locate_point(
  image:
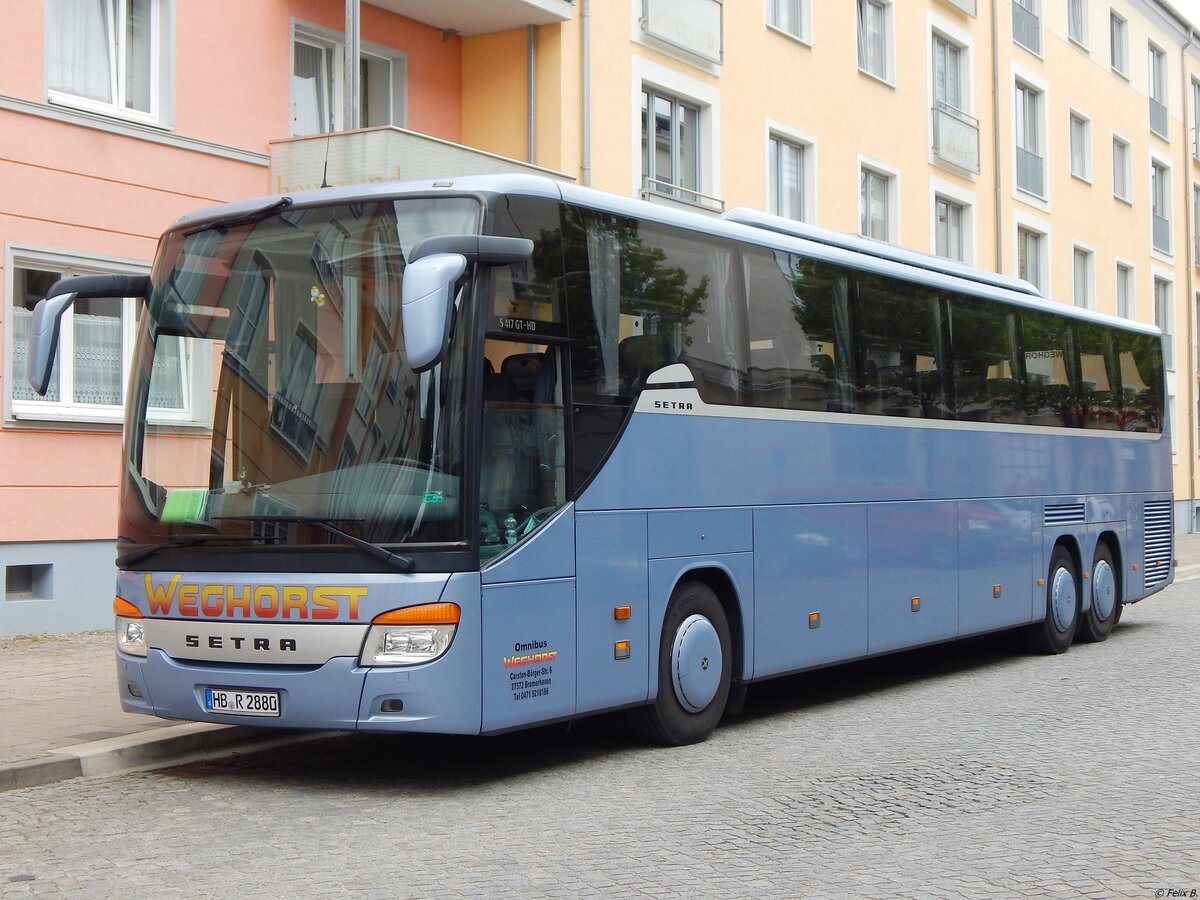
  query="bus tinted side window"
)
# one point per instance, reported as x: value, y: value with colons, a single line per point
x: 1047, y: 350
x: 900, y: 368
x: 1099, y: 381
x: 793, y: 345
x: 989, y: 373
x: 1140, y: 364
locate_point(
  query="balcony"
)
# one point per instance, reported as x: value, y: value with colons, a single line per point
x: 967, y: 6
x: 1161, y: 235
x: 473, y: 17
x: 668, y: 194
x: 1158, y: 118
x: 1027, y: 29
x: 955, y: 138
x: 382, y: 154
x: 1031, y: 172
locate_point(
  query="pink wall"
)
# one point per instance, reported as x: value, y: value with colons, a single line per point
x: 79, y: 190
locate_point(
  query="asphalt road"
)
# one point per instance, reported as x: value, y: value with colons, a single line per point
x: 970, y: 770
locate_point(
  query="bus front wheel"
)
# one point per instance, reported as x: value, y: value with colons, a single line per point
x: 1055, y: 632
x: 695, y: 667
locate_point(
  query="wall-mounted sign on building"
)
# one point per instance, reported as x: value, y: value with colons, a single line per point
x: 691, y: 25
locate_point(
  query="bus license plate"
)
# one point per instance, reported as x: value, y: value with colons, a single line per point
x: 241, y: 703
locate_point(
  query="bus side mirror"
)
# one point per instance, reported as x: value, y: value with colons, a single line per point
x: 47, y: 317
x: 434, y: 265
x: 428, y: 298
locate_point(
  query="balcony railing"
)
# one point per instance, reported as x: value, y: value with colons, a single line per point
x: 1027, y: 28
x: 1161, y: 233
x: 1158, y: 118
x: 471, y: 17
x: 967, y: 6
x: 382, y: 154
x: 655, y: 190
x: 1031, y: 172
x: 955, y: 138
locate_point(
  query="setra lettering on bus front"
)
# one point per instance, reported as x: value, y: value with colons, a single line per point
x: 672, y: 404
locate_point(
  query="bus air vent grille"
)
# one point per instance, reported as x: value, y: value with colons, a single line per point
x: 1063, y: 514
x: 1156, y: 543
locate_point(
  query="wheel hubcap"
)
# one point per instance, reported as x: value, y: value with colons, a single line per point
x: 1104, y: 589
x: 1063, y: 599
x: 696, y: 663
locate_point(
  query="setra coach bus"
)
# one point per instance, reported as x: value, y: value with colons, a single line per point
x: 472, y: 455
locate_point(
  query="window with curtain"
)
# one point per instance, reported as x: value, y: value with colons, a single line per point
x: 947, y: 73
x: 316, y: 87
x: 788, y: 16
x: 103, y: 55
x: 874, y: 203
x: 1081, y: 157
x: 873, y: 38
x: 670, y: 146
x: 90, y: 374
x: 950, y: 216
x: 1120, y: 169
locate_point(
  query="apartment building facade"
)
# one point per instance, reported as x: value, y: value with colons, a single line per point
x: 1050, y: 139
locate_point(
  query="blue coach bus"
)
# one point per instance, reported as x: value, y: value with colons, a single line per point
x: 475, y: 455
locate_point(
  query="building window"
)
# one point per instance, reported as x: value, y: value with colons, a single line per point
x: 1195, y: 224
x: 105, y: 56
x: 787, y: 177
x: 1031, y: 174
x: 1118, y: 44
x: 1160, y: 206
x: 1029, y: 256
x: 1164, y: 318
x: 875, y: 203
x: 1082, y: 261
x: 1081, y: 144
x: 1121, y: 172
x: 670, y: 146
x: 1158, y: 91
x: 789, y: 16
x: 874, y: 38
x: 1077, y: 22
x: 317, y: 94
x: 90, y: 374
x: 1124, y: 291
x: 955, y: 132
x: 1196, y: 120
x: 951, y: 227
x: 1027, y: 25
x: 947, y: 73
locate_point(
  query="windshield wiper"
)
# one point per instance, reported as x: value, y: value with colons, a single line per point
x: 402, y: 563
x: 133, y: 556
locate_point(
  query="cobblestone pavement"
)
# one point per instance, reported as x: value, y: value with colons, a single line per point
x: 963, y: 771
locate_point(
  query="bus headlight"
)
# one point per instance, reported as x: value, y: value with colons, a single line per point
x: 131, y: 632
x: 414, y: 634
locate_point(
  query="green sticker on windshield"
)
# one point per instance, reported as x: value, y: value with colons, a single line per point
x: 184, y: 507
x: 434, y: 497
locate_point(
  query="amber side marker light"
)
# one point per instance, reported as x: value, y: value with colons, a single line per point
x: 125, y: 609
x: 621, y: 613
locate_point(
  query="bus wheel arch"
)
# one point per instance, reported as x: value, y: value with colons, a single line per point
x: 1106, y: 590
x: 1064, y: 592
x: 698, y: 655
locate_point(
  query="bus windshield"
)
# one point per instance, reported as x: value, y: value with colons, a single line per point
x: 270, y: 387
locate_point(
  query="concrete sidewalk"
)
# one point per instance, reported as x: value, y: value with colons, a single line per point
x: 60, y: 716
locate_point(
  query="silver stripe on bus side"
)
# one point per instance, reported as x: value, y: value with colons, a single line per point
x: 687, y: 402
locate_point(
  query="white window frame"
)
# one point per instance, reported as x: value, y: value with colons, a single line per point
x: 874, y: 169
x: 799, y: 14
x: 1040, y: 228
x: 882, y: 70
x: 1122, y: 166
x: 197, y: 369
x: 1164, y: 313
x: 1025, y: 81
x: 777, y: 131
x: 1125, y: 275
x: 1118, y: 44
x: 1077, y: 32
x: 1157, y: 89
x: 160, y: 66
x: 646, y: 74
x: 949, y: 191
x: 1160, y: 193
x: 333, y: 45
x: 1083, y: 276
x: 1080, y: 141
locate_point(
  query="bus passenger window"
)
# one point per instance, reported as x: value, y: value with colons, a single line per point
x: 523, y: 478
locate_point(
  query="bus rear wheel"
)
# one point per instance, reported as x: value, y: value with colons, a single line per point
x: 1055, y: 632
x: 1097, y: 623
x: 695, y: 669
